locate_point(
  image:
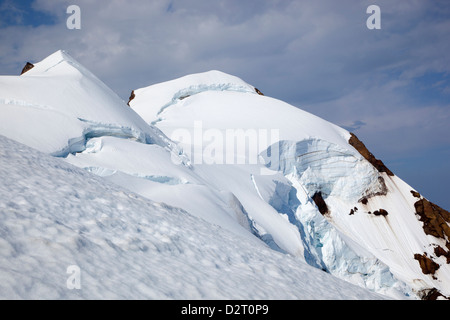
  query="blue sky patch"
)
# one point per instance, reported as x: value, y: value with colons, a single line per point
x: 22, y: 13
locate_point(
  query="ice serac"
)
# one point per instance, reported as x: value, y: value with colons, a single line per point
x: 55, y: 216
x: 295, y: 189
x: 369, y: 233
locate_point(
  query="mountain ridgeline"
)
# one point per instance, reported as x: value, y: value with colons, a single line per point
x: 292, y: 187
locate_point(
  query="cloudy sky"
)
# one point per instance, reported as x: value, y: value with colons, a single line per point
x: 391, y: 86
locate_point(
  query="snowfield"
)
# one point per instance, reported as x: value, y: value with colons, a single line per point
x: 54, y: 215
x: 200, y: 187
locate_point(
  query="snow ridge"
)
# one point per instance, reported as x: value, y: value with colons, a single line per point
x: 196, y: 89
x: 174, y: 91
x: 260, y: 222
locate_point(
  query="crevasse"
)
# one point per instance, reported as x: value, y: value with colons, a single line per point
x: 315, y: 165
x: 199, y: 88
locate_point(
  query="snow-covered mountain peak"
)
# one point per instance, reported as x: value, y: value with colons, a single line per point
x: 151, y: 101
x: 58, y: 63
x: 348, y: 210
x: 259, y: 168
x: 199, y: 82
x: 65, y: 105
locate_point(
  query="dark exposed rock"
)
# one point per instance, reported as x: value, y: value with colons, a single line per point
x: 361, y: 148
x: 259, y: 92
x: 352, y: 212
x: 380, y: 212
x: 27, y: 67
x: 435, y: 219
x: 436, y: 222
x: 431, y: 294
x: 439, y: 251
x: 415, y: 194
x: 320, y: 203
x: 184, y: 97
x: 364, y: 200
x: 427, y: 265
x: 132, y: 96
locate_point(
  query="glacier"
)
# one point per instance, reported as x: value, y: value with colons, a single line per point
x: 266, y: 210
x: 55, y: 216
x: 316, y: 156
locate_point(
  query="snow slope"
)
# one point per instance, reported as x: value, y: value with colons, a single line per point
x: 61, y: 108
x: 58, y: 105
x: 245, y: 170
x: 307, y: 155
x: 55, y: 216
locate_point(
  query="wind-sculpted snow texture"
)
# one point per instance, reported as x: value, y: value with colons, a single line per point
x: 257, y: 220
x: 55, y: 215
x: 351, y: 241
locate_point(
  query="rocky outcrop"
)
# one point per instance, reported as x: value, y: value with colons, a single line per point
x: 132, y: 96
x: 440, y: 252
x: 259, y: 92
x: 361, y: 148
x: 435, y: 219
x: 435, y: 223
x: 415, y: 194
x: 380, y: 212
x: 27, y: 67
x: 320, y: 203
x: 427, y: 265
x: 432, y: 294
